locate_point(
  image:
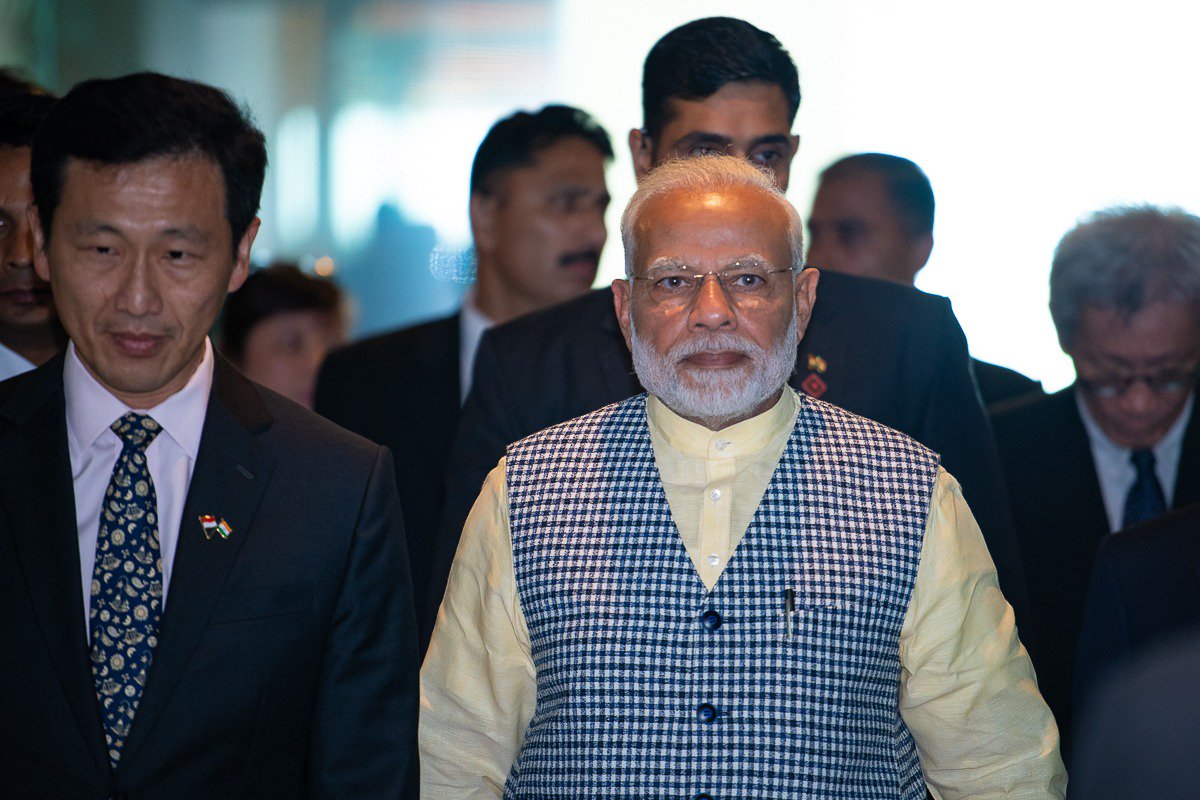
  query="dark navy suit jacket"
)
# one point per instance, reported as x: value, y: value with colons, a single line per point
x: 286, y: 665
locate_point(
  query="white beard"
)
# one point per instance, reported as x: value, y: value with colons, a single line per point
x: 715, y: 397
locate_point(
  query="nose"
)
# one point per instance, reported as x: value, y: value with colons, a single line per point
x: 138, y: 293
x: 712, y: 308
x: 19, y: 254
x: 593, y: 231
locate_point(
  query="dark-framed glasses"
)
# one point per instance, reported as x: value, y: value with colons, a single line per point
x: 1166, y: 382
x: 744, y: 281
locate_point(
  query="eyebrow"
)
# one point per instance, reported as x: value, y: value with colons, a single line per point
x: 671, y: 262
x: 189, y: 233
x: 703, y: 137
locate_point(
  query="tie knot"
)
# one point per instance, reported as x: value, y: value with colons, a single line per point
x: 136, y: 430
x: 1143, y: 460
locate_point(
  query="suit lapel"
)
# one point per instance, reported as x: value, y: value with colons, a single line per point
x: 1187, y: 480
x: 617, y: 378
x: 39, y: 501
x: 1075, y: 455
x: 227, y: 483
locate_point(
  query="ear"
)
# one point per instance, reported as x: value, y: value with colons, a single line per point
x: 642, y: 150
x: 241, y: 263
x: 622, y: 303
x: 806, y: 296
x: 483, y: 221
x: 41, y: 264
x: 922, y: 246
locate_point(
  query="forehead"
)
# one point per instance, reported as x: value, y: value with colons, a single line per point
x: 741, y: 110
x: 186, y: 187
x: 14, y: 174
x: 1163, y: 331
x: 569, y: 161
x: 712, y: 227
x: 857, y: 193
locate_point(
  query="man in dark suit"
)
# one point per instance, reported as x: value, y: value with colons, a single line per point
x: 1145, y: 588
x: 538, y: 198
x: 1121, y: 445
x: 872, y: 216
x: 203, y: 586
x: 882, y: 350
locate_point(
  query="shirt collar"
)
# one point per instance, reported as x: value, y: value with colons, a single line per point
x: 91, y: 408
x: 471, y: 324
x: 1105, y: 447
x: 745, y: 438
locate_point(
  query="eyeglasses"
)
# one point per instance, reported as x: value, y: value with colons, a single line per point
x: 1170, y: 382
x: 745, y: 282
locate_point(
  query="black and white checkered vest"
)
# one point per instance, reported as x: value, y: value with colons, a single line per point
x: 649, y: 685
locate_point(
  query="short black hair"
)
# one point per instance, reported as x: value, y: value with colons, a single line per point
x: 23, y: 108
x: 148, y: 115
x: 907, y: 185
x: 276, y: 289
x: 517, y: 139
x: 696, y: 59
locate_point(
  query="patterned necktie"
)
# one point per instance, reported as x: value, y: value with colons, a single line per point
x: 1145, y: 499
x: 127, y: 585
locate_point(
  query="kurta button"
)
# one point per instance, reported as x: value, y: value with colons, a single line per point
x: 706, y: 713
x: 711, y: 619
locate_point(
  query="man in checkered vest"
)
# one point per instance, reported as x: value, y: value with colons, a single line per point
x: 721, y: 588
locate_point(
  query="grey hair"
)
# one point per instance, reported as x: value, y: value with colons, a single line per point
x: 703, y: 175
x: 1124, y: 258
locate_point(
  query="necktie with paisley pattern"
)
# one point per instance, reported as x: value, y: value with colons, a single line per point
x: 127, y: 589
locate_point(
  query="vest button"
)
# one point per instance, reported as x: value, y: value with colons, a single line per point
x: 711, y: 620
x: 706, y: 713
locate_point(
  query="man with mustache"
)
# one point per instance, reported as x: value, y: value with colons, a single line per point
x: 538, y: 198
x: 29, y: 329
x: 724, y: 588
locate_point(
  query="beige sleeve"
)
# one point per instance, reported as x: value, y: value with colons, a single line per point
x: 478, y: 685
x: 967, y: 688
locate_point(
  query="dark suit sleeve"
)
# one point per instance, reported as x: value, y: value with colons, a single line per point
x: 1104, y: 639
x: 956, y: 426
x: 487, y: 426
x: 364, y: 727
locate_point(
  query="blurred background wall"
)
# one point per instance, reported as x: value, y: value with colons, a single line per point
x: 1025, y: 115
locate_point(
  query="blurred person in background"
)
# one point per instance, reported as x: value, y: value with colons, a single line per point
x: 279, y: 326
x: 538, y: 197
x: 1121, y: 445
x: 29, y: 329
x: 872, y: 216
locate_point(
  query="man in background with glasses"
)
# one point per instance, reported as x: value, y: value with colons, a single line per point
x: 1121, y: 445
x: 721, y: 587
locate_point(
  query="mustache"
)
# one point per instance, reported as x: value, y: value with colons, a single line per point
x: 714, y: 342
x: 591, y: 257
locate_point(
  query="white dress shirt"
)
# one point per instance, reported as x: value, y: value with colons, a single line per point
x: 471, y: 324
x: 13, y: 363
x: 1116, y: 472
x: 94, y: 449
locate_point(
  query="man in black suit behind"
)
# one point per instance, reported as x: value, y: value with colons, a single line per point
x: 203, y: 586
x: 888, y: 352
x: 872, y: 216
x: 538, y: 197
x: 1121, y: 445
